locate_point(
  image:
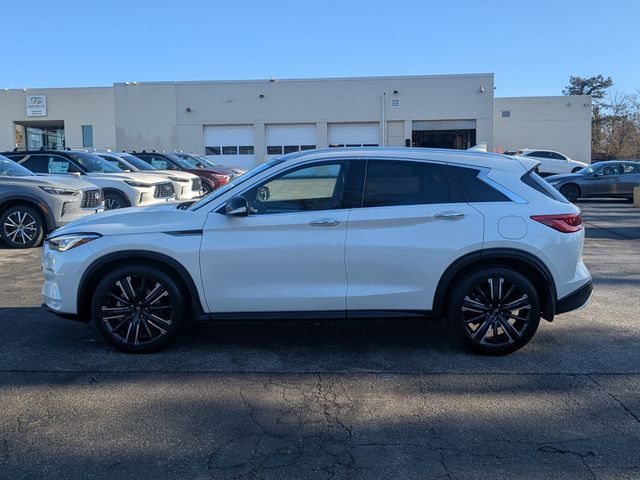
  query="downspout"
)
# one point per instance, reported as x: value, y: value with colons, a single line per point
x: 383, y: 123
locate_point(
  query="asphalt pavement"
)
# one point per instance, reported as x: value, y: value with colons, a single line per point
x: 329, y: 399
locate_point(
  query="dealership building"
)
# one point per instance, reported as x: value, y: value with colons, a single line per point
x: 244, y: 123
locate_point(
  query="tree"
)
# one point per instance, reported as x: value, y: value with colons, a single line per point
x: 595, y: 86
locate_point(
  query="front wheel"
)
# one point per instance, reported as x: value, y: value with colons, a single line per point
x: 22, y: 226
x: 114, y: 200
x: 494, y: 311
x: 571, y: 192
x: 138, y: 309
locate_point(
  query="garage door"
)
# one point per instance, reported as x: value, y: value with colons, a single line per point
x: 354, y: 134
x: 231, y: 145
x: 290, y: 137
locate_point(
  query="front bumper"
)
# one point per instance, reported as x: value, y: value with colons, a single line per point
x: 576, y: 299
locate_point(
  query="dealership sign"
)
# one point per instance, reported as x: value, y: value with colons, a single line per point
x: 36, y: 105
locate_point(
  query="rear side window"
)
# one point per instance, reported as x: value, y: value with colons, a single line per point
x: 391, y: 183
x: 35, y: 163
x: 539, y: 154
x: 474, y: 188
x: 536, y: 182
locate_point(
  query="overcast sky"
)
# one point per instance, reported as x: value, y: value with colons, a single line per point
x: 532, y: 47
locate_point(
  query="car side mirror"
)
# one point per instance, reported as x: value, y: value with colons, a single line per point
x: 597, y: 174
x: 263, y: 194
x: 237, y: 207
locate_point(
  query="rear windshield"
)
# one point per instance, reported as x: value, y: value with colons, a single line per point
x: 538, y: 183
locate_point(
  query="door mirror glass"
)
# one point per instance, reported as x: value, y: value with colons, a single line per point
x: 263, y: 193
x: 237, y: 207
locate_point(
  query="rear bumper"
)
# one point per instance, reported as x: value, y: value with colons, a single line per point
x: 576, y: 299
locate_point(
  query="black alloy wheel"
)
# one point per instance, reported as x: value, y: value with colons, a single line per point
x: 495, y: 311
x: 138, y: 309
x: 114, y: 200
x: 22, y: 226
x: 571, y: 192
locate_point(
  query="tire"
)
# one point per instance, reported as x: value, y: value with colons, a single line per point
x: 138, y: 308
x: 571, y: 192
x: 22, y: 226
x: 114, y: 200
x: 478, y: 317
x: 207, y: 188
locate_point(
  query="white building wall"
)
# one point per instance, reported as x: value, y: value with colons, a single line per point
x: 560, y: 123
x: 75, y: 106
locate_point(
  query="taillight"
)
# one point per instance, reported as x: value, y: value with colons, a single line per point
x: 567, y: 223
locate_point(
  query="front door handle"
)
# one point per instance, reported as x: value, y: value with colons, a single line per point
x: 449, y: 215
x: 325, y: 222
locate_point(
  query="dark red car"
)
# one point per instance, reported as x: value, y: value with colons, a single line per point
x: 212, y: 176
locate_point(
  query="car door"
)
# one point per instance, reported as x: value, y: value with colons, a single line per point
x: 603, y: 181
x: 287, y: 255
x: 412, y: 225
x: 558, y: 163
x: 629, y: 179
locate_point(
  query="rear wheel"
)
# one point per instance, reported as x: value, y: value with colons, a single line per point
x: 22, y: 226
x: 138, y: 309
x: 113, y: 200
x: 571, y: 192
x: 494, y: 311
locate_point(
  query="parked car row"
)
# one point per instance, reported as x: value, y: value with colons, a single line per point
x: 41, y: 190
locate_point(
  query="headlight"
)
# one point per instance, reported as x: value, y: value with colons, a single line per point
x: 177, y: 179
x: 137, y: 184
x: 72, y: 240
x: 59, y: 191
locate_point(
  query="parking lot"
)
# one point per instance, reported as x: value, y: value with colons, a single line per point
x: 352, y: 399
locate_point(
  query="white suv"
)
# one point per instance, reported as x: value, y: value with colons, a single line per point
x: 551, y: 162
x: 337, y: 233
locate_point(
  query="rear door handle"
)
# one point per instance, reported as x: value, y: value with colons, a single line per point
x: 449, y: 215
x: 325, y: 222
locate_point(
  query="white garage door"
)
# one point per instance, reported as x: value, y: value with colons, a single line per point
x: 231, y: 145
x: 354, y: 134
x: 290, y: 137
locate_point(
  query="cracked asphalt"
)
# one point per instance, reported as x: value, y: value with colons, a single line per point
x: 357, y: 399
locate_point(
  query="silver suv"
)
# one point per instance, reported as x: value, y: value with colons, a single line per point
x: 32, y: 205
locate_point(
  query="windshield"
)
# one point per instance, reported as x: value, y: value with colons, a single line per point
x: 136, y: 162
x: 9, y: 168
x: 197, y: 160
x: 183, y: 162
x: 93, y: 163
x: 239, y: 180
x: 586, y: 170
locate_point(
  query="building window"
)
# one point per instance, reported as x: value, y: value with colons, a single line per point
x: 291, y: 148
x: 395, y: 102
x: 212, y: 150
x: 230, y: 150
x: 245, y: 150
x: 505, y: 113
x: 307, y: 147
x: 87, y: 136
x: 274, y: 150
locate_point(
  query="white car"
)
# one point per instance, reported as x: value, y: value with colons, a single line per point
x: 551, y: 162
x: 336, y: 233
x: 186, y: 185
x: 120, y: 189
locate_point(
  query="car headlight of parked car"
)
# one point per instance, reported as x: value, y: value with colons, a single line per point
x: 59, y: 191
x: 63, y: 243
x: 137, y: 184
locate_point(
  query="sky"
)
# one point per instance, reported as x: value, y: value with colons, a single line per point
x: 531, y: 46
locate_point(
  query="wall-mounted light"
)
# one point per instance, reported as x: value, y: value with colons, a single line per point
x: 395, y: 92
x: 188, y: 109
x: 481, y: 89
x: 586, y: 105
x: 261, y: 96
x: 272, y: 79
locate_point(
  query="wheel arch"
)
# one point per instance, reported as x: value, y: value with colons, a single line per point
x: 116, y: 190
x: 34, y: 202
x: 522, y: 261
x: 102, y: 265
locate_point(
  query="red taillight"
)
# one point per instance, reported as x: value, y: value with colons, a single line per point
x: 567, y: 223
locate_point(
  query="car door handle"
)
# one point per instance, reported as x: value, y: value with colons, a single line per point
x: 325, y: 222
x: 449, y: 215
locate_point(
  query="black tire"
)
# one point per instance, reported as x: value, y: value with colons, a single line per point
x: 571, y: 192
x: 138, y: 308
x: 114, y: 200
x: 22, y: 226
x: 207, y: 188
x: 476, y: 311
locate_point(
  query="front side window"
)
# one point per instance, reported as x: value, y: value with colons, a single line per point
x: 390, y: 182
x: 612, y: 170
x: 308, y: 188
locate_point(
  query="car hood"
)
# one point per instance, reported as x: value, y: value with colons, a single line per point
x: 135, y: 220
x: 129, y: 176
x: 177, y: 173
x: 63, y: 181
x: 562, y: 176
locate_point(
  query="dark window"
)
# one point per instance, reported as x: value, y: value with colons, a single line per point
x: 231, y: 150
x: 613, y: 170
x: 538, y: 154
x: 291, y: 148
x: 336, y: 145
x: 49, y: 164
x: 536, y: 182
x: 370, y: 145
x: 405, y: 183
x: 630, y: 168
x: 245, y: 150
x: 307, y: 188
x: 212, y: 150
x: 307, y: 147
x: 35, y: 163
x: 87, y: 135
x: 353, y: 145
x: 505, y: 113
x: 475, y: 189
x: 557, y: 156
x: 157, y: 162
x: 274, y: 150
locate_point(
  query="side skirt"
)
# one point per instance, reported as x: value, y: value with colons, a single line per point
x: 317, y: 315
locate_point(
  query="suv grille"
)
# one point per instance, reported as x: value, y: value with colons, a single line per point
x: 164, y: 190
x: 91, y: 199
x: 196, y: 184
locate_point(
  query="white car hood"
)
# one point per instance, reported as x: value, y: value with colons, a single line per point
x: 130, y: 176
x: 152, y: 219
x: 60, y: 181
x: 177, y: 174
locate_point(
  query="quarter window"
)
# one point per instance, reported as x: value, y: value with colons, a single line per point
x: 391, y: 183
x: 474, y: 189
x: 309, y: 188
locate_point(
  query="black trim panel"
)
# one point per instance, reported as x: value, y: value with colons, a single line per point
x: 184, y: 233
x: 575, y: 299
x: 318, y: 315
